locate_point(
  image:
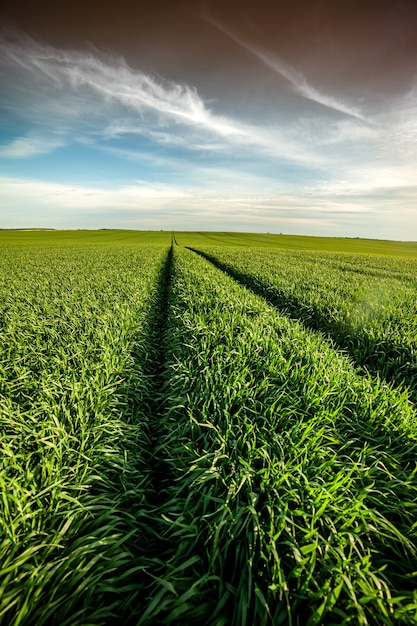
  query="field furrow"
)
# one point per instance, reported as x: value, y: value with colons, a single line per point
x: 293, y: 490
x: 79, y: 348
x: 179, y: 448
x: 365, y: 305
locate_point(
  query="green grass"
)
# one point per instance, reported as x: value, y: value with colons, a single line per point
x: 292, y: 489
x: 81, y: 238
x: 76, y: 366
x: 177, y: 449
x: 298, y: 242
x: 366, y: 304
x: 199, y: 239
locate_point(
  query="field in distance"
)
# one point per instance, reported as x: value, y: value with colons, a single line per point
x: 106, y: 237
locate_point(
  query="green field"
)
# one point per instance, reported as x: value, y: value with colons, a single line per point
x: 207, y: 428
x: 264, y: 240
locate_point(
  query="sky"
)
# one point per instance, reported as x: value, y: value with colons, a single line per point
x: 263, y: 116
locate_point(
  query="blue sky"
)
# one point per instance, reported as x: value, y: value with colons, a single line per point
x: 210, y: 119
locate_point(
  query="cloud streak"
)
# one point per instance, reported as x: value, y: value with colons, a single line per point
x: 29, y: 146
x: 111, y: 78
x: 296, y: 78
x: 103, y: 96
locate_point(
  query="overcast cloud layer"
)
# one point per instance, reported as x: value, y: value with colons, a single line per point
x: 300, y: 121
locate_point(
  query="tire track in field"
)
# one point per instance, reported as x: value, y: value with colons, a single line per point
x: 146, y: 502
x: 157, y: 329
x: 399, y: 361
x: 179, y: 544
x: 217, y: 326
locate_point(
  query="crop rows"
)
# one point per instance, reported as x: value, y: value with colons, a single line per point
x: 177, y: 450
x: 366, y: 305
x: 76, y: 348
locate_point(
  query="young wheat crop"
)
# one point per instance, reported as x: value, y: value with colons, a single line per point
x: 182, y: 444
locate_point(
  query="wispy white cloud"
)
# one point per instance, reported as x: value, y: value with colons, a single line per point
x: 31, y: 145
x: 119, y: 129
x: 297, y: 80
x: 301, y: 86
x: 82, y: 90
x: 111, y: 78
x: 348, y: 130
x: 63, y: 195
